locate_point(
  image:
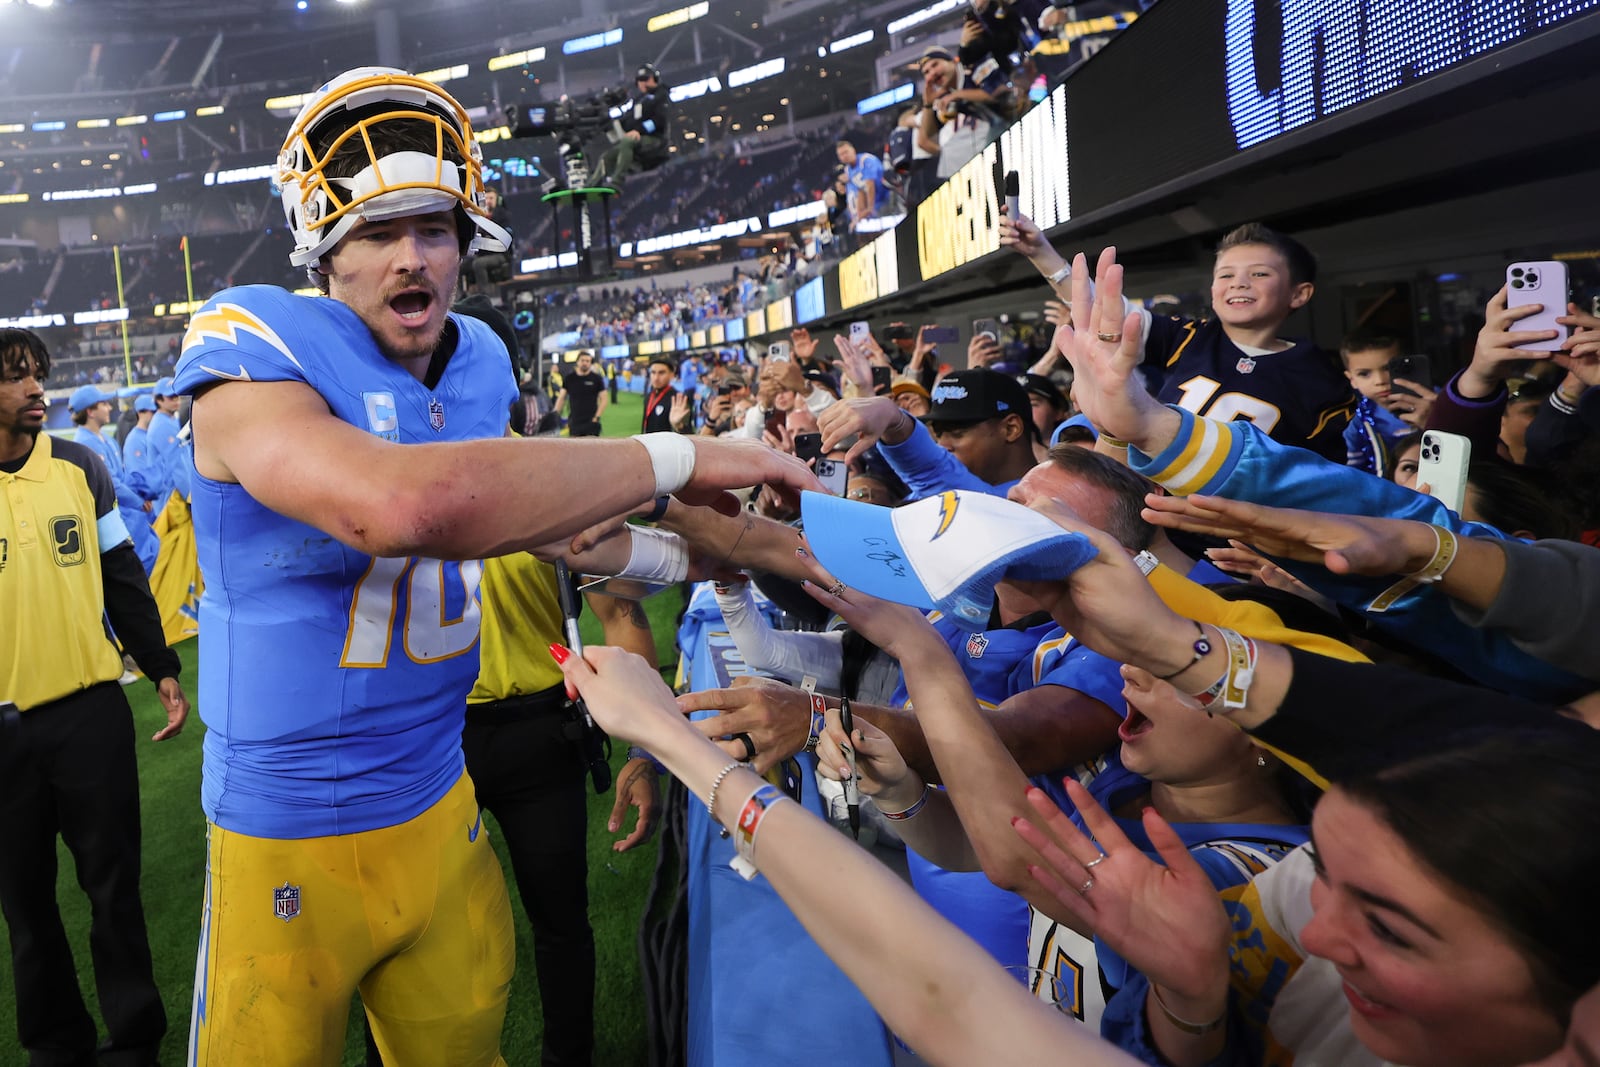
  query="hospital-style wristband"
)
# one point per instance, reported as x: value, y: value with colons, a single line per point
x: 819, y: 713
x: 1444, y: 554
x: 656, y: 556
x: 1233, y: 687
x: 749, y: 821
x: 671, y: 459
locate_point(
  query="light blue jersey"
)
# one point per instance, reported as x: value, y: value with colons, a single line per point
x: 130, y: 503
x: 333, y: 684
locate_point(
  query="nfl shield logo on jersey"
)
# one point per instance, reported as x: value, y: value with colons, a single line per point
x: 975, y: 646
x: 286, y: 901
x: 435, y: 414
x: 1245, y: 365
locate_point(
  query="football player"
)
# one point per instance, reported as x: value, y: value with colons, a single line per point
x: 350, y: 467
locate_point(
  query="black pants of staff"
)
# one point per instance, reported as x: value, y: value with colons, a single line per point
x: 68, y: 768
x: 526, y: 761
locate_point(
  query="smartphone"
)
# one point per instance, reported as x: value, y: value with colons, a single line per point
x: 778, y: 351
x: 940, y: 335
x: 1442, y: 466
x: 775, y: 422
x: 860, y: 331
x: 986, y: 326
x: 833, y: 474
x: 1413, y: 369
x: 1545, y: 283
x: 881, y: 377
x: 1013, y: 191
x: 808, y: 446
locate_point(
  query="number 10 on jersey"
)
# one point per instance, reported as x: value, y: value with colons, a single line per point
x: 429, y: 632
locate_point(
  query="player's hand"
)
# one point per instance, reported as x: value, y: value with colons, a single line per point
x: 723, y: 463
x: 776, y: 716
x: 637, y: 788
x: 176, y: 706
x: 1104, y: 347
x: 1165, y: 920
x: 1345, y: 544
x: 869, y: 419
x: 1497, y: 347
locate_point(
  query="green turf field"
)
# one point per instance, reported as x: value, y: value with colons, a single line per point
x: 174, y: 862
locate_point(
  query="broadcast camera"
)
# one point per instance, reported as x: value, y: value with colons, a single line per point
x: 571, y: 122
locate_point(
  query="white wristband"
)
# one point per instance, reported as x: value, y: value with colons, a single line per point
x: 656, y: 556
x: 671, y: 459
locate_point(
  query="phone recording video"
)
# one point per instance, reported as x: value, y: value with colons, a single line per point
x: 833, y: 474
x: 808, y: 446
x: 1413, y: 369
x: 778, y: 351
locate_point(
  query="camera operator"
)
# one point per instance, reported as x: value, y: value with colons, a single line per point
x: 484, y: 264
x: 644, y: 130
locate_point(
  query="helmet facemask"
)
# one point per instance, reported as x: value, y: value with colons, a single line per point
x: 353, y: 115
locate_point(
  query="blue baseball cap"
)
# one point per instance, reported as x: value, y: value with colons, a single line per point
x: 164, y: 388
x: 944, y: 552
x: 144, y: 402
x: 1076, y: 420
x: 87, y: 396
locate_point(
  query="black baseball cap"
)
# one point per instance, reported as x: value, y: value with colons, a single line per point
x: 1039, y: 385
x: 976, y: 395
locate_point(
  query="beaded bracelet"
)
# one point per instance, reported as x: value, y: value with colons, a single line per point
x: 711, y: 798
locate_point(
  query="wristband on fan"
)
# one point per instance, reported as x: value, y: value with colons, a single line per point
x: 1445, y: 546
x: 656, y: 556
x: 749, y: 821
x: 819, y: 713
x: 921, y: 803
x: 671, y: 460
x: 1234, y: 684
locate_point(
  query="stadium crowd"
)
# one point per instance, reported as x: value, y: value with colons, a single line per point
x: 1241, y: 695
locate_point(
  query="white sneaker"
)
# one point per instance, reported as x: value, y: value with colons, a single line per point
x: 128, y: 678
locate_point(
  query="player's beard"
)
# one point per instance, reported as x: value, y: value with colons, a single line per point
x: 411, y: 345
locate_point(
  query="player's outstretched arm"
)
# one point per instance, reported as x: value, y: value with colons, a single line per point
x: 456, y: 500
x: 936, y: 987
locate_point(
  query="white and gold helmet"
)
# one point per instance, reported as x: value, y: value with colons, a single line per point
x: 321, y: 209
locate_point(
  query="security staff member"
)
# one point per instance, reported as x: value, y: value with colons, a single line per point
x: 67, y: 765
x: 644, y: 130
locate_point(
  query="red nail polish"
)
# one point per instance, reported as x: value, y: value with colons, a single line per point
x: 560, y: 653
